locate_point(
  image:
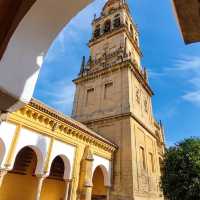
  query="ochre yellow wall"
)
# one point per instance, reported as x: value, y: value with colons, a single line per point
x: 53, y: 190
x: 98, y: 183
x: 18, y: 187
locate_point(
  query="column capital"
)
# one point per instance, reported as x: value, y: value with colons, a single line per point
x: 88, y: 185
x: 41, y: 176
x: 68, y: 180
x: 3, y: 171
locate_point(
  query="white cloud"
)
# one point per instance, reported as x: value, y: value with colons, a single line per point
x: 80, y: 24
x: 180, y: 66
x: 59, y: 95
x: 186, y: 68
x: 185, y: 63
x: 75, y: 30
x: 191, y: 67
x: 154, y: 74
x: 193, y: 97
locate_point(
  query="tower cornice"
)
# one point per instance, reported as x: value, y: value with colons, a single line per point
x: 151, y: 130
x: 91, y: 75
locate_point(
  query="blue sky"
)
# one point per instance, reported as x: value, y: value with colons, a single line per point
x: 174, y: 68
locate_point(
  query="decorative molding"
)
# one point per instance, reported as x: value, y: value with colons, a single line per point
x: 124, y: 115
x: 39, y: 117
x: 91, y: 75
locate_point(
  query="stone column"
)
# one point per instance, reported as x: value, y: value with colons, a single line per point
x: 67, y: 184
x: 3, y: 172
x: 88, y: 192
x: 41, y: 179
x: 108, y: 192
x: 86, y: 175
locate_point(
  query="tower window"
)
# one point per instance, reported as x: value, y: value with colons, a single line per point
x: 97, y: 31
x: 90, y: 96
x: 107, y: 26
x: 108, y: 90
x: 117, y: 22
x: 142, y: 158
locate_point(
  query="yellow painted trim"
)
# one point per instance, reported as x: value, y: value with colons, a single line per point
x: 29, y: 120
x: 13, y: 146
x: 75, y: 172
x: 49, y: 155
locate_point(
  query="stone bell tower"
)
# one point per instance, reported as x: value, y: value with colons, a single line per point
x: 113, y: 98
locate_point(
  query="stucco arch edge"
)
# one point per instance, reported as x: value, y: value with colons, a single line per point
x: 105, y: 166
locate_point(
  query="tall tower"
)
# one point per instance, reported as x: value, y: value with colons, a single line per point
x: 113, y: 97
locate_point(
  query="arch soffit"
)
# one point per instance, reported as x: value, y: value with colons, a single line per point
x: 105, y: 166
x: 38, y: 153
x: 67, y: 165
x: 105, y: 172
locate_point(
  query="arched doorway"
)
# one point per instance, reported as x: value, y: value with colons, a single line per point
x: 21, y: 182
x: 54, y: 186
x: 99, y: 190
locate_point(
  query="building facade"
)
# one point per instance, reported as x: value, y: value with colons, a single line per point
x: 114, y: 149
x: 45, y: 155
x: 113, y: 98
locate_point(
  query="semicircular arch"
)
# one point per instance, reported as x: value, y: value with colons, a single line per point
x: 38, y: 153
x: 67, y: 165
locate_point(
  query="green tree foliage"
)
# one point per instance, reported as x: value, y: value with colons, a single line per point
x: 181, y: 172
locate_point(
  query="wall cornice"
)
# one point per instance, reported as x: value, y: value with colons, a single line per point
x: 104, y: 71
x: 121, y: 116
x: 47, y: 121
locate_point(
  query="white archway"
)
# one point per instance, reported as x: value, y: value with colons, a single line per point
x: 105, y: 174
x: 40, y: 159
x: 105, y: 166
x: 21, y: 62
x: 67, y: 164
x: 67, y: 153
